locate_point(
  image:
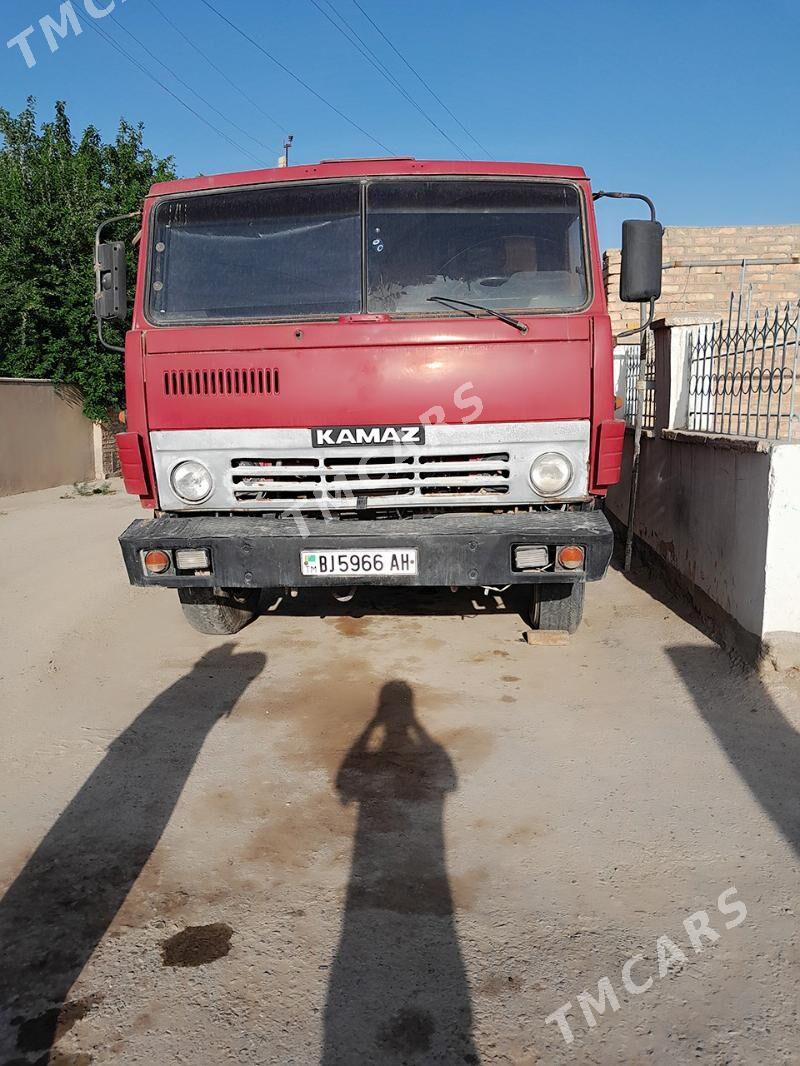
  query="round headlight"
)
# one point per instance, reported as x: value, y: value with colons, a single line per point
x: 551, y: 473
x: 191, y: 481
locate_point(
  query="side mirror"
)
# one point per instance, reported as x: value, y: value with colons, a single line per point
x: 111, y: 293
x: 640, y: 273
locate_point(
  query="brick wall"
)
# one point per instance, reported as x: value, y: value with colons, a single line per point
x: 702, y: 289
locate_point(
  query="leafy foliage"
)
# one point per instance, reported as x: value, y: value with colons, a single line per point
x: 54, y: 191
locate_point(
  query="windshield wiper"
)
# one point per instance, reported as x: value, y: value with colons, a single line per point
x: 480, y: 307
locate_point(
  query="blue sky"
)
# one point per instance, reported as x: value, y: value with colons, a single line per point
x: 695, y: 104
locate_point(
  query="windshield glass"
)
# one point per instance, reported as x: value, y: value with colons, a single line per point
x: 503, y: 244
x: 293, y: 251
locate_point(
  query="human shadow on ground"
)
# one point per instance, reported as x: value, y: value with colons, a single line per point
x: 398, y: 990
x: 59, y: 907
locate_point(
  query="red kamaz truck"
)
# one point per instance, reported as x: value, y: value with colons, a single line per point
x: 380, y: 372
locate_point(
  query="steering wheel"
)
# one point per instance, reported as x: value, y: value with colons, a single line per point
x: 493, y: 280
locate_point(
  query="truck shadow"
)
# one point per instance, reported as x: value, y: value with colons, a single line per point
x: 398, y: 990
x: 761, y: 744
x: 59, y: 907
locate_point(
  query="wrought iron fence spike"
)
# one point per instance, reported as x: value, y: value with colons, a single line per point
x: 742, y: 377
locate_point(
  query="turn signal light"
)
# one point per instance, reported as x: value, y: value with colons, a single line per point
x: 619, y: 403
x: 571, y: 557
x: 156, y: 561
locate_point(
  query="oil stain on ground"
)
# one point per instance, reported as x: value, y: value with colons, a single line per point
x: 349, y: 626
x: 486, y: 657
x: 294, y: 835
x: 197, y: 945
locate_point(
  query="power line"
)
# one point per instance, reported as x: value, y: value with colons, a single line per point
x: 420, y: 78
x: 194, y: 92
x: 254, y: 103
x: 169, y: 91
x: 361, y: 46
x: 295, y: 77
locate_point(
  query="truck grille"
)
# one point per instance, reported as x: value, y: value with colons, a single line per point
x: 459, y: 467
x: 337, y: 480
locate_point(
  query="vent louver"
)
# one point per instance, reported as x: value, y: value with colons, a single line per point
x: 239, y: 381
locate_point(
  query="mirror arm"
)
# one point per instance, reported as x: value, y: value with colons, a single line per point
x: 110, y: 222
x: 629, y: 196
x: 645, y: 325
x: 108, y: 347
x: 97, y: 239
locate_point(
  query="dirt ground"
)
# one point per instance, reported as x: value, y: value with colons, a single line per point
x: 405, y: 837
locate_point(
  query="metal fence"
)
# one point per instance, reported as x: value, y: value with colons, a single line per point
x: 743, y: 374
x: 633, y: 354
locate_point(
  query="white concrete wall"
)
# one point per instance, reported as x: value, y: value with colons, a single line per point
x: 782, y: 594
x: 704, y: 509
x: 722, y: 512
x: 623, y: 353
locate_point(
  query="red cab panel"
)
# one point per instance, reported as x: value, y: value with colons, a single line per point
x: 131, y: 460
x: 610, y: 447
x: 401, y: 375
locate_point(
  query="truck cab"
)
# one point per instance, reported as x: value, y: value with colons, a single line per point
x: 369, y: 372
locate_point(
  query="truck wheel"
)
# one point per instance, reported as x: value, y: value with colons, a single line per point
x: 219, y: 612
x: 557, y: 606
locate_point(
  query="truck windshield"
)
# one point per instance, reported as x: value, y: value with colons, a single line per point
x: 295, y: 251
x: 291, y: 251
x: 504, y: 244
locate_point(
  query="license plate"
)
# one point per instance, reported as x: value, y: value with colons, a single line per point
x: 380, y: 561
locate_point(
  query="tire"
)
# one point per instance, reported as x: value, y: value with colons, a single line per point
x: 557, y: 606
x: 219, y: 612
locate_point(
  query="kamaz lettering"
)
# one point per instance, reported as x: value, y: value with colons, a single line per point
x: 341, y: 435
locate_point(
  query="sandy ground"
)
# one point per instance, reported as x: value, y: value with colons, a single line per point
x: 400, y: 838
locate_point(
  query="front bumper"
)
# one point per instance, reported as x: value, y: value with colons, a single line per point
x: 466, y: 550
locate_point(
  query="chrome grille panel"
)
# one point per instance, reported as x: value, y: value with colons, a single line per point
x: 362, y: 476
x: 478, y: 464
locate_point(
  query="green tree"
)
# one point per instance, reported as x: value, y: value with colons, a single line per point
x: 54, y: 191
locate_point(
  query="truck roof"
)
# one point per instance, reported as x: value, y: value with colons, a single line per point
x: 349, y: 168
